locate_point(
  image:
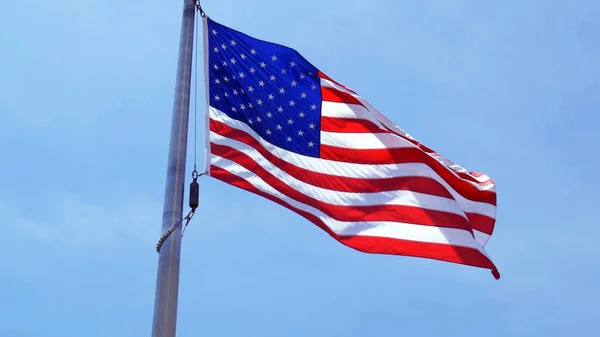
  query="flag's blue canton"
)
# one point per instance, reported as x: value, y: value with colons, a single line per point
x: 270, y: 87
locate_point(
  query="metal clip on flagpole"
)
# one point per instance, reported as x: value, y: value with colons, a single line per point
x: 194, y: 202
x: 199, y: 7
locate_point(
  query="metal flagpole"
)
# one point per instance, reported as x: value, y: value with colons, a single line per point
x: 167, y: 282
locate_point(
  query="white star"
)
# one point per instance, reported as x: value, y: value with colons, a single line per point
x: 303, y: 95
x: 217, y: 97
x: 300, y: 133
x: 280, y: 109
x: 268, y: 132
x: 271, y: 96
x: 252, y: 70
x: 289, y: 139
x: 225, y: 63
x: 233, y: 61
x: 311, y: 125
x: 223, y: 46
x: 281, y: 91
x: 216, y: 67
x: 269, y: 114
x: 243, y: 56
x: 235, y: 92
x: 216, y: 49
x: 250, y: 105
x: 250, y: 121
x: 243, y: 107
x: 225, y: 79
x: 283, y: 71
x: 313, y: 107
x: 294, y: 83
x: 233, y: 43
x: 217, y: 81
x: 272, y: 77
x: 292, y: 103
x: 273, y: 58
x: 313, y: 87
x: 233, y: 109
x: 261, y: 83
x: 279, y: 127
x: 241, y: 75
x: 258, y: 119
x: 226, y: 94
x: 290, y: 121
x: 263, y: 65
x: 214, y: 32
x: 301, y: 114
x: 253, y: 52
x: 292, y: 63
x: 311, y: 144
x: 301, y: 75
x: 259, y: 102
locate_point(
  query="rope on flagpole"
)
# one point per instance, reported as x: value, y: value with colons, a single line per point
x: 194, y: 187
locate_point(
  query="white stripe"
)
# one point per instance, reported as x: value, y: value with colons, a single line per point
x: 341, y: 110
x: 330, y: 84
x: 351, y: 170
x: 337, y: 198
x: 364, y: 141
x: 395, y: 230
x: 481, y: 237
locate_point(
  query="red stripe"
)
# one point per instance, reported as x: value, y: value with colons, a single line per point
x: 370, y: 244
x: 349, y: 125
x: 406, y: 155
x: 334, y: 95
x: 358, y: 185
x: 481, y: 222
x: 395, y: 213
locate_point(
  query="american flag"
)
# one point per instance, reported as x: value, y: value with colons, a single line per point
x: 282, y: 129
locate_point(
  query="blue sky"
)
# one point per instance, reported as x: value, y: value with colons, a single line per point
x: 86, y: 90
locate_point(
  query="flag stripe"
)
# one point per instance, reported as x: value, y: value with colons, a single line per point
x: 224, y: 125
x: 406, y: 207
x: 255, y: 149
x: 371, y: 238
x: 247, y: 138
x: 364, y: 141
x: 329, y: 94
x: 348, y: 125
x: 350, y: 111
x: 250, y: 159
x: 420, y: 184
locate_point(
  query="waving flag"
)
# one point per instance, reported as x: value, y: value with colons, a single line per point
x: 282, y: 129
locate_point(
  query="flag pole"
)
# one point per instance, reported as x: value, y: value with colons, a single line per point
x: 167, y: 281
